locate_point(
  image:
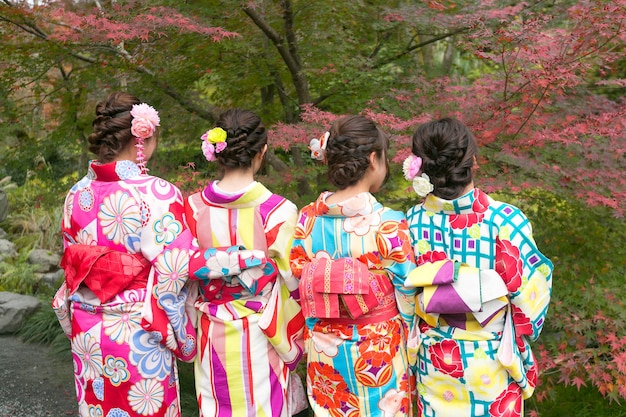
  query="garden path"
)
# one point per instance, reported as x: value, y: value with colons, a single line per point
x: 36, y: 382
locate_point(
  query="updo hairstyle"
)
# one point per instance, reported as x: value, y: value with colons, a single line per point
x: 245, y: 136
x: 352, y: 139
x: 111, y: 127
x: 447, y: 149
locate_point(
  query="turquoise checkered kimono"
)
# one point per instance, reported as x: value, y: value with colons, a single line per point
x: 459, y: 370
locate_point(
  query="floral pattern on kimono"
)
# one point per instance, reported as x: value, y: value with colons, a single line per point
x: 358, y: 366
x: 124, y: 347
x: 458, y: 370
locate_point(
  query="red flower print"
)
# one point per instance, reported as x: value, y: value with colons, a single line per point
x: 509, y: 264
x: 431, y: 256
x: 327, y: 386
x: 481, y: 202
x: 446, y: 356
x: 508, y: 403
x: 320, y: 207
x: 372, y: 260
x: 523, y: 326
x: 298, y: 258
x: 380, y: 344
x: 371, y: 375
x: 424, y: 327
x: 463, y: 221
x: 532, y: 375
x: 407, y: 385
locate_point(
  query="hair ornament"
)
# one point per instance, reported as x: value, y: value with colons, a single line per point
x: 213, y: 141
x: 412, y: 168
x: 143, y: 125
x: 318, y: 147
x: 422, y: 185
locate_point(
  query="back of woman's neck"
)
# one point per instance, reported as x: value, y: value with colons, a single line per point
x: 236, y: 180
x: 342, y: 195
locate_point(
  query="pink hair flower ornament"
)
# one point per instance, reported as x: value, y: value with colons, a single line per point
x: 145, y: 121
x: 318, y: 147
x: 412, y: 168
x: 213, y: 141
x: 143, y: 125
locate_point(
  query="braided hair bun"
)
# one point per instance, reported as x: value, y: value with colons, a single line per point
x: 111, y: 127
x: 352, y: 139
x: 245, y: 135
x: 448, y: 150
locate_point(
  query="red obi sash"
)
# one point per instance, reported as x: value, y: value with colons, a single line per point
x: 103, y: 270
x: 345, y: 289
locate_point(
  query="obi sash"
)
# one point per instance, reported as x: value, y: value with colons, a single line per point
x: 105, y: 271
x: 451, y: 287
x: 223, y: 272
x: 345, y: 289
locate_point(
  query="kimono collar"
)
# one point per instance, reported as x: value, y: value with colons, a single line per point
x: 361, y: 204
x: 474, y: 201
x: 249, y: 197
x: 113, y: 171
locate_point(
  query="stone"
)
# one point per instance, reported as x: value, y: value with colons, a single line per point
x: 52, y: 279
x: 44, y: 260
x: 14, y: 309
x: 7, y: 249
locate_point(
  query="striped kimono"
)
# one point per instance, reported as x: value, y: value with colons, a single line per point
x: 460, y: 366
x: 356, y: 350
x: 122, y: 303
x: 237, y: 371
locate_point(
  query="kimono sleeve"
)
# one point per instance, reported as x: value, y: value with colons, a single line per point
x: 397, y: 257
x: 526, y: 272
x: 167, y: 242
x: 280, y: 228
x: 298, y: 256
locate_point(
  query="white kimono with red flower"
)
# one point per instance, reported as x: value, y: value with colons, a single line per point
x: 458, y: 369
x: 122, y: 303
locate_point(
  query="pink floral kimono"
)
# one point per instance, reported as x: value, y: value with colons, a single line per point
x: 123, y: 300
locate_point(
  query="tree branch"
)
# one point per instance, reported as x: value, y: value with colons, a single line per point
x: 290, y: 59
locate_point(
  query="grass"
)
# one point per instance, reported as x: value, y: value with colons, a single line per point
x: 569, y: 402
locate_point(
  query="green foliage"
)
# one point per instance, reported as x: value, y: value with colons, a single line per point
x: 188, y: 400
x: 570, y: 402
x: 21, y: 278
x: 42, y: 327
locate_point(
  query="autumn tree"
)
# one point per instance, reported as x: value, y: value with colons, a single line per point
x: 541, y: 84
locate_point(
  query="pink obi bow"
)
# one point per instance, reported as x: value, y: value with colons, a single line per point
x: 105, y: 271
x: 340, y: 288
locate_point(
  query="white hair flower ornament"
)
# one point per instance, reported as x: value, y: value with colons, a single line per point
x: 318, y: 147
x: 412, y: 168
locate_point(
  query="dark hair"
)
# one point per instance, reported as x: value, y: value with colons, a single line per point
x: 245, y: 136
x: 111, y: 127
x: 447, y: 148
x: 352, y: 139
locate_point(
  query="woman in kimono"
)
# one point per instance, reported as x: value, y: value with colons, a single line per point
x: 484, y: 284
x: 126, y: 257
x: 352, y: 256
x: 248, y: 232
